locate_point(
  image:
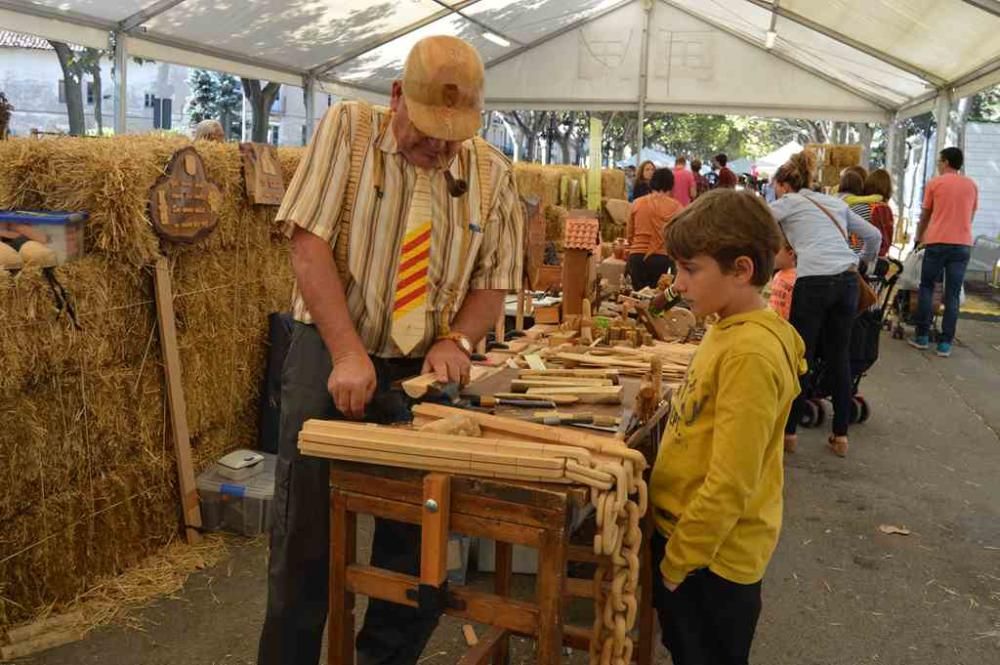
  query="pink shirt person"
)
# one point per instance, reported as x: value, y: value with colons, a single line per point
x: 952, y: 199
x: 684, y: 182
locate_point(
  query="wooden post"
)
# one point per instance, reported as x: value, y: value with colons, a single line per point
x: 519, y: 315
x: 177, y: 408
x: 434, y: 531
x: 549, y: 592
x: 575, y: 281
x: 504, y: 556
x: 500, y: 331
x: 343, y: 549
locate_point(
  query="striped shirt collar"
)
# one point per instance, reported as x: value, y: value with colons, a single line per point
x: 388, y: 143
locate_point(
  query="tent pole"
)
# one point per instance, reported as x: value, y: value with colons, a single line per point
x: 896, y: 162
x: 942, y: 114
x: 647, y: 12
x: 121, y: 83
x: 309, y: 91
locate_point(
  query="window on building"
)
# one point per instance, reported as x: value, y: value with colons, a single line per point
x: 150, y: 99
x: 329, y: 100
x: 305, y: 138
x: 90, y: 92
x: 162, y: 112
x: 274, y: 133
x: 278, y: 106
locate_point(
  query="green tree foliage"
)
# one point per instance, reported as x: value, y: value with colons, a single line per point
x: 216, y: 96
x: 203, y: 104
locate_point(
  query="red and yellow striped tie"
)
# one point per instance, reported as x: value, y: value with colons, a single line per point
x: 409, y: 309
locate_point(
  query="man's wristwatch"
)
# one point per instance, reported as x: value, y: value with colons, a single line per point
x: 461, y: 341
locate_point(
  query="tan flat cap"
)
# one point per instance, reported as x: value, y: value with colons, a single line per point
x: 443, y: 87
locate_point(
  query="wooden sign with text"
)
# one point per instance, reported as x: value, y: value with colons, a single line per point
x: 262, y: 174
x: 183, y: 203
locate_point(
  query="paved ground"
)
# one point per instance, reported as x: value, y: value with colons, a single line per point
x: 838, y: 592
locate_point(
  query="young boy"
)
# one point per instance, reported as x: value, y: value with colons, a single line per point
x: 716, y: 487
x: 783, y: 282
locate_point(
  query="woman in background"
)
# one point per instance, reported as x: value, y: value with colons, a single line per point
x: 825, y: 297
x: 647, y: 222
x: 642, y: 178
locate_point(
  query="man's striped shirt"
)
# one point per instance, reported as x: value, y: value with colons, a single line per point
x: 467, y: 251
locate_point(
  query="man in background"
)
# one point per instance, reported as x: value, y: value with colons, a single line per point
x: 727, y: 178
x: 684, y: 190
x: 945, y: 231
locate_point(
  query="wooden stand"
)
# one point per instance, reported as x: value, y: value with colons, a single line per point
x: 532, y: 514
x: 529, y: 514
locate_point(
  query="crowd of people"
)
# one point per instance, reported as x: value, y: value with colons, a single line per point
x: 828, y: 241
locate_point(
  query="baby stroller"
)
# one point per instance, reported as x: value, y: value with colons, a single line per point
x: 863, y: 350
x: 904, y: 301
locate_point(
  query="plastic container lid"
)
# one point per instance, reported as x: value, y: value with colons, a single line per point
x: 259, y: 486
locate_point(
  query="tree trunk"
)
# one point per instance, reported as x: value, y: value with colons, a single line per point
x: 865, y: 139
x: 72, y: 80
x: 95, y: 71
x: 261, y: 101
x: 959, y: 115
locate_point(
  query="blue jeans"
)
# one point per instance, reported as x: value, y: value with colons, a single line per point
x: 950, y: 262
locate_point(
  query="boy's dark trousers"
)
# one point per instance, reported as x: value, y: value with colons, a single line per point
x: 707, y: 620
x: 298, y: 566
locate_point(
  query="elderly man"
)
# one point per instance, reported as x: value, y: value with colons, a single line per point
x: 405, y: 234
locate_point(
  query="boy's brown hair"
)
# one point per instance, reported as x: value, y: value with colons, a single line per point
x: 726, y: 224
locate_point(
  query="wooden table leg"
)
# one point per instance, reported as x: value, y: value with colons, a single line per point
x: 647, y: 644
x: 501, y: 585
x: 343, y: 550
x: 549, y: 592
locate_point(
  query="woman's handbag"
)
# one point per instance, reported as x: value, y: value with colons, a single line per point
x: 866, y: 295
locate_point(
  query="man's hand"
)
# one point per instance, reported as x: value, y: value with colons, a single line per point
x: 448, y: 361
x: 352, y: 384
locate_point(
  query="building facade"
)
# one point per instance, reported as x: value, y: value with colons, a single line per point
x: 32, y: 79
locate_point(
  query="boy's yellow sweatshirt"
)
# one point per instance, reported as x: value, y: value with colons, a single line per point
x: 716, y: 486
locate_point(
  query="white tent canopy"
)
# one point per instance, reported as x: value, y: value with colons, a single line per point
x: 845, y: 59
x: 770, y: 162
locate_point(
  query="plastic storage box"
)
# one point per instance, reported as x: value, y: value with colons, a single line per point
x: 241, y: 507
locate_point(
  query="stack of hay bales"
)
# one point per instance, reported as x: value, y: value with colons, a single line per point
x: 830, y: 159
x: 561, y: 188
x: 88, y: 470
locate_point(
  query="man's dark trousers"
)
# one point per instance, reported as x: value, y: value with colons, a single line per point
x: 949, y: 262
x: 298, y: 569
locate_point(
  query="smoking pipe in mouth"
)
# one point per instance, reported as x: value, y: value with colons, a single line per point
x: 456, y: 187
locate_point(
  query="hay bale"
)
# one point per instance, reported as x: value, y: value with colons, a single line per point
x: 541, y: 182
x: 613, y: 184
x: 89, y: 476
x: 555, y: 222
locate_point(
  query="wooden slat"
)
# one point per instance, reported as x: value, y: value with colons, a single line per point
x: 469, y: 525
x: 510, y: 501
x: 504, y: 556
x: 586, y: 395
x: 487, y: 646
x: 577, y: 637
x: 176, y: 405
x: 434, y: 529
x: 343, y: 548
x: 516, y: 616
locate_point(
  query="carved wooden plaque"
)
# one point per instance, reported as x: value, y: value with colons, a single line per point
x: 183, y: 203
x: 262, y: 173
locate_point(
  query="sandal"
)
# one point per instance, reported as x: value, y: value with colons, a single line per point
x: 791, y: 443
x: 838, y: 444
